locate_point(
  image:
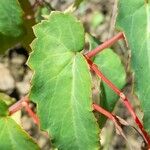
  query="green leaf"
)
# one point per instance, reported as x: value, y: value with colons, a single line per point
x: 93, y: 41
x: 97, y: 19
x: 3, y: 108
x: 16, y: 28
x: 12, y: 136
x: 10, y: 18
x: 10, y: 23
x: 7, y: 99
x: 42, y: 11
x: 134, y: 20
x: 62, y: 83
x: 111, y: 66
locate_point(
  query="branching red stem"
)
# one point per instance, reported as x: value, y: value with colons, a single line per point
x: 106, y: 44
x: 23, y: 102
x: 112, y: 117
x: 18, y: 105
x: 122, y: 96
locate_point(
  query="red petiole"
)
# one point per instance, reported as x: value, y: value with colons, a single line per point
x: 104, y: 112
x: 24, y: 103
x: 112, y: 117
x: 106, y: 44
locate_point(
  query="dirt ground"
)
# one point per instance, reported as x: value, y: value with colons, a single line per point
x: 98, y: 19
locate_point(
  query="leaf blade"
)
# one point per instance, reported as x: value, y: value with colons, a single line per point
x: 11, y: 25
x: 3, y: 108
x: 12, y: 136
x: 66, y: 86
x: 138, y: 30
x: 111, y: 66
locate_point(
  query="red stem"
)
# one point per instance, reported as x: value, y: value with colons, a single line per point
x: 103, y: 111
x: 122, y: 96
x: 31, y: 113
x: 24, y: 102
x: 106, y: 44
x: 18, y: 105
x: 112, y: 117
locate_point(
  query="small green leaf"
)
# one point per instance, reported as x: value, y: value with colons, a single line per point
x: 10, y: 23
x: 93, y: 41
x: 42, y: 11
x: 62, y: 83
x: 12, y: 136
x: 110, y: 65
x: 134, y: 20
x: 3, y: 108
x: 7, y: 99
x: 97, y: 19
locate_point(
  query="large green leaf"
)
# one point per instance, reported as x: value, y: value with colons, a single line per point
x: 62, y: 83
x: 12, y: 136
x: 134, y: 20
x: 110, y: 65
